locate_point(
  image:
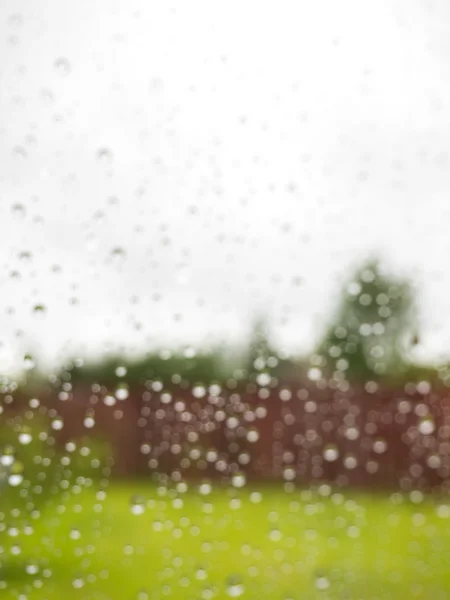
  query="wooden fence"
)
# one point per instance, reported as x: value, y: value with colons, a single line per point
x: 297, y: 433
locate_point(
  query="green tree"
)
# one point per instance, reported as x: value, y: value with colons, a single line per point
x: 373, y: 327
x: 259, y: 349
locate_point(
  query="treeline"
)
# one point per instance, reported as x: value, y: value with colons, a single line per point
x: 371, y: 336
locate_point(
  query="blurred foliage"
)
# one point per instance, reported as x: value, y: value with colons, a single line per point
x: 165, y: 366
x: 35, y: 470
x: 189, y: 366
x: 260, y: 351
x: 373, y: 329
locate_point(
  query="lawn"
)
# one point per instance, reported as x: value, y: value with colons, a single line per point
x: 140, y: 542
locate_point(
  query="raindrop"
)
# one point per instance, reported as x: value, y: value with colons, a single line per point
x: 137, y: 505
x: 263, y: 379
x: 78, y: 583
x: 62, y: 66
x: 109, y: 400
x: 350, y: 462
x: 32, y: 568
x: 322, y: 583
x: 201, y: 573
x: 25, y: 438
x: 234, y: 587
x: 205, y: 489
x: 122, y: 393
x: 380, y: 446
x: 275, y: 535
x: 434, y: 461
x: 105, y: 155
x: 208, y: 593
x: 7, y: 460
x: 57, y: 424
x: 25, y: 256
x: 255, y: 497
x: 426, y: 426
x: 15, y: 479
x: 28, y: 362
x: 39, y: 309
x: 18, y: 210
x: 352, y: 433
x: 19, y: 152
x: 118, y: 253
x: 15, y: 20
x: 443, y: 511
x: 199, y: 391
x: 75, y: 534
x: 47, y: 95
x: 331, y: 453
x: 238, y: 480
x: 252, y: 435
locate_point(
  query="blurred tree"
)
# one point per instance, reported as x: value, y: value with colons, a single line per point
x: 373, y: 328
x: 262, y: 357
x: 259, y: 348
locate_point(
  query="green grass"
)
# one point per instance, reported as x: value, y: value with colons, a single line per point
x: 297, y: 545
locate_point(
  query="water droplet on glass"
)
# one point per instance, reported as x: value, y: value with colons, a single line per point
x: 105, y: 156
x: 75, y: 534
x: 25, y: 438
x: 18, y: 210
x: 238, y: 480
x: 7, y: 459
x: 275, y: 535
x: 28, y: 362
x: 31, y: 568
x: 19, y: 152
x: 205, y: 489
x: 255, y: 497
x: 201, y: 573
x: 15, y: 20
x: 89, y: 422
x: 252, y: 436
x: 234, y: 587
x: 322, y: 583
x: 426, y: 426
x: 331, y: 453
x: 15, y: 479
x: 137, y: 505
x: 62, y: 66
x: 39, y: 309
x: 208, y: 593
x: 443, y: 511
x: 57, y: 424
x: 122, y: 393
x: 109, y: 400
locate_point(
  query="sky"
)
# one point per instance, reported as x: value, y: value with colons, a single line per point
x: 169, y: 170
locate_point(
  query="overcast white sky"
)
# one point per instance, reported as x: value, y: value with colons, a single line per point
x: 166, y: 169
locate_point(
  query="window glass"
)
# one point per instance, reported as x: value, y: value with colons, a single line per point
x: 224, y: 349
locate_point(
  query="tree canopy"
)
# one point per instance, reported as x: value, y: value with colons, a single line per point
x: 373, y: 326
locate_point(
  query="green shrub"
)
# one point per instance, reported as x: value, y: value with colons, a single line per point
x: 36, y: 470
